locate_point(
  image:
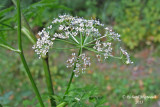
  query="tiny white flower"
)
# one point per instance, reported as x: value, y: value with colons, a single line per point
x: 77, y: 99
x: 61, y: 27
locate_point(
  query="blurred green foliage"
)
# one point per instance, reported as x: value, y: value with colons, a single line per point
x: 138, y: 22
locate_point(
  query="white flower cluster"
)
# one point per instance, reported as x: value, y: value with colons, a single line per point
x: 81, y: 63
x: 124, y: 52
x: 110, y: 33
x: 43, y: 44
x: 71, y: 61
x: 74, y: 25
x: 103, y: 48
x: 74, y: 29
x: 69, y: 26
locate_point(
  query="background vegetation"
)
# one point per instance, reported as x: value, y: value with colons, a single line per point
x: 138, y: 22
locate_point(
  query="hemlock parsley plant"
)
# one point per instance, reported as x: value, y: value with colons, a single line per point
x: 83, y: 34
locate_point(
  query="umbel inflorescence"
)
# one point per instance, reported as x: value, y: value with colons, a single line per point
x: 84, y: 34
x: 81, y: 63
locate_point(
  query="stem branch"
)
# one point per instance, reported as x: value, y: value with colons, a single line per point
x: 71, y: 78
x: 9, y: 48
x: 48, y: 80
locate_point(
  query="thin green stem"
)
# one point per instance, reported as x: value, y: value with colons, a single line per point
x: 64, y: 48
x: 10, y: 48
x: 95, y: 40
x: 90, y: 49
x: 28, y: 32
x: 26, y: 29
x: 85, y: 39
x: 31, y: 35
x: 23, y: 58
x: 74, y: 39
x: 63, y: 104
x: 65, y: 41
x: 81, y: 36
x: 48, y: 80
x: 71, y: 78
x: 31, y: 80
x: 70, y: 81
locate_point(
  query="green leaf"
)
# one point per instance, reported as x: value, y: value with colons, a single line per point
x: 57, y: 98
x: 6, y: 25
x: 6, y: 14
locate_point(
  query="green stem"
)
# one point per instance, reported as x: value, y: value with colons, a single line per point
x: 64, y: 48
x: 9, y: 48
x: 65, y: 41
x: 63, y: 104
x: 23, y: 58
x: 28, y: 32
x: 71, y: 78
x: 48, y: 80
x: 26, y: 29
x: 70, y: 81
x: 95, y: 40
x: 90, y: 49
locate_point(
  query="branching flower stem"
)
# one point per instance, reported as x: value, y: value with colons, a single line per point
x: 71, y: 78
x: 23, y: 58
x: 94, y: 40
x: 65, y: 41
x: 72, y: 75
x: 9, y: 48
x: 26, y: 29
x: 90, y: 49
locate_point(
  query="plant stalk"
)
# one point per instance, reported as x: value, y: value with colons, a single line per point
x: 71, y: 78
x: 26, y: 29
x: 28, y: 32
x: 45, y: 64
x: 48, y: 80
x: 63, y: 104
x: 9, y: 48
x: 23, y: 58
